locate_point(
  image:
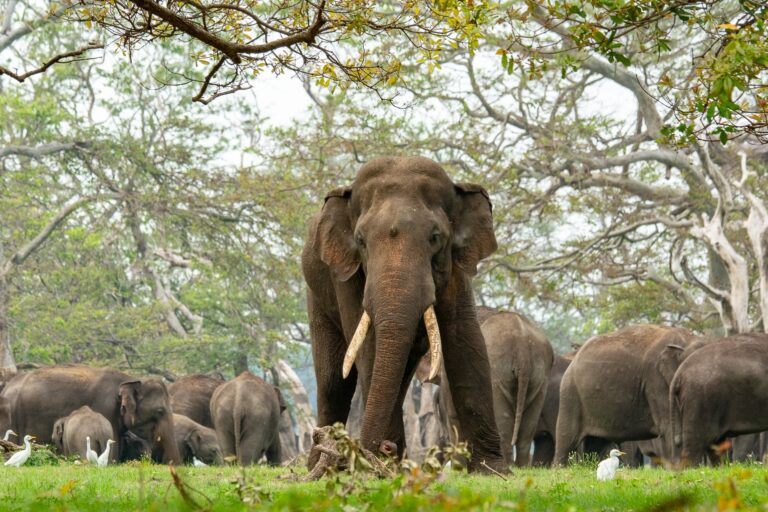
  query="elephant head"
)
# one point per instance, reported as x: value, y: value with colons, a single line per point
x: 204, y: 445
x: 145, y: 410
x: 57, y: 436
x: 405, y: 229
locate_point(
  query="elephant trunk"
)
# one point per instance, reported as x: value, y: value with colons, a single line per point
x: 165, y: 441
x: 396, y: 305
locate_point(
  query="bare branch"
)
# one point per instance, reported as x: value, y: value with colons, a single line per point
x: 61, y: 58
x: 23, y: 253
x: 43, y: 150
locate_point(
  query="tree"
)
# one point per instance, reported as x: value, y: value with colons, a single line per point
x: 723, y: 96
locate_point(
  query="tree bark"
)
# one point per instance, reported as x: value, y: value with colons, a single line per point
x: 7, y: 361
x: 305, y: 420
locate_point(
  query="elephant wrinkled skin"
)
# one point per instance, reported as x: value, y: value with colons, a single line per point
x: 617, y: 387
x: 544, y: 439
x: 520, y: 357
x: 191, y: 397
x: 721, y: 390
x: 196, y: 440
x: 69, y: 433
x: 394, y: 253
x: 40, y: 397
x: 246, y: 415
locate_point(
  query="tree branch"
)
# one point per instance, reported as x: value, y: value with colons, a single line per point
x: 232, y: 50
x: 42, y: 150
x: 58, y: 58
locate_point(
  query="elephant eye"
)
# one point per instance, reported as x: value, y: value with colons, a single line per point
x: 435, y: 238
x: 359, y: 240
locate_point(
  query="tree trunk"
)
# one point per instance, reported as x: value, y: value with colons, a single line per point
x: 305, y: 420
x: 7, y: 361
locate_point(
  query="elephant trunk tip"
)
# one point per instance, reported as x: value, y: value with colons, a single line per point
x: 388, y: 448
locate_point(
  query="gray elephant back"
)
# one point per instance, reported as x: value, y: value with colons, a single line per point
x: 85, y: 422
x: 245, y: 414
x: 191, y: 397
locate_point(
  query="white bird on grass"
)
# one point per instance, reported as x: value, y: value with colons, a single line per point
x: 103, y: 459
x: 19, y: 458
x: 9, y: 433
x: 198, y: 463
x: 92, y: 456
x: 606, y: 470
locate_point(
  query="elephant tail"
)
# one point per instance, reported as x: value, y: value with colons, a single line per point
x: 523, y: 380
x: 237, y: 423
x: 675, y: 418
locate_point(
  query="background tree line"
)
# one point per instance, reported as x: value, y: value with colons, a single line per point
x: 151, y: 233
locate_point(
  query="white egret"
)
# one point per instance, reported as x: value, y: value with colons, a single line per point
x: 198, y: 463
x: 9, y: 433
x: 103, y: 459
x: 606, y: 470
x: 92, y: 456
x: 19, y: 458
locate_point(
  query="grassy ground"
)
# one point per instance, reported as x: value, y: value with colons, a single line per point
x: 143, y: 486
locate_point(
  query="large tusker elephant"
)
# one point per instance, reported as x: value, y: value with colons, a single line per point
x: 196, y: 440
x: 617, y: 387
x: 544, y: 439
x: 70, y: 432
x: 721, y: 390
x: 246, y: 415
x: 191, y: 396
x: 388, y: 263
x: 139, y: 405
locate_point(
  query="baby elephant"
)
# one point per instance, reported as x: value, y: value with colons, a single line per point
x: 69, y: 433
x: 246, y: 413
x: 195, y: 440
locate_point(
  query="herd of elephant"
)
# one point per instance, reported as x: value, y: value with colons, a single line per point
x: 657, y: 391
x: 196, y: 416
x: 388, y: 263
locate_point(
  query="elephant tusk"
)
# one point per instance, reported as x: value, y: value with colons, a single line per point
x: 435, y: 344
x: 356, y: 343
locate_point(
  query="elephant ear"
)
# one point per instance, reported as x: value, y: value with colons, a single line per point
x: 280, y: 399
x: 128, y: 400
x: 473, y: 237
x: 194, y: 440
x: 335, y: 234
x: 669, y: 359
x: 58, y: 434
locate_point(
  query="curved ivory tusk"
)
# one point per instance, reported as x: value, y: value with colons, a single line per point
x: 435, y: 344
x: 356, y: 343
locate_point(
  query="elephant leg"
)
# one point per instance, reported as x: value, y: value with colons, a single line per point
x: 226, y: 439
x: 568, y: 432
x: 504, y: 409
x: 528, y: 429
x: 274, y: 453
x: 334, y: 392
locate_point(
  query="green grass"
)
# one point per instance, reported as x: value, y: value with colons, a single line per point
x: 150, y: 487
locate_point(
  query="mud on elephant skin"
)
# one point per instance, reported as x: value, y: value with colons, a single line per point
x: 387, y: 261
x: 40, y: 397
x: 721, y: 390
x: 617, y: 387
x: 70, y: 432
x: 191, y: 397
x: 246, y: 415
